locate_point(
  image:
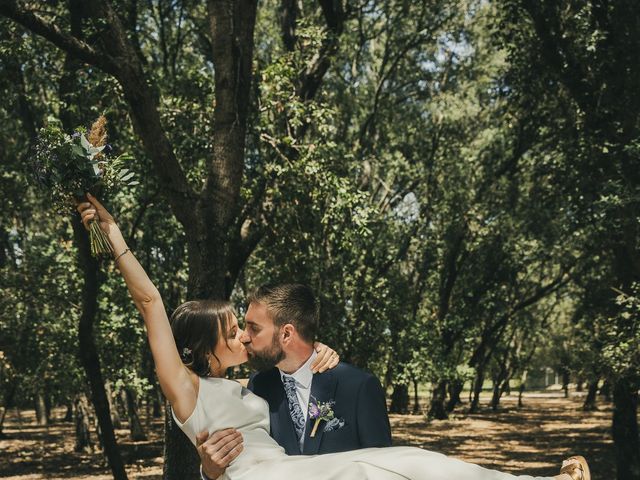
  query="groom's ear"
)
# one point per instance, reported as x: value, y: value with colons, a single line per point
x: 287, y: 333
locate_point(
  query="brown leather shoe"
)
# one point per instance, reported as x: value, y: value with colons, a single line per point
x: 577, y: 469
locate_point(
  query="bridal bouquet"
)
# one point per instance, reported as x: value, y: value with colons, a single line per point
x: 69, y: 166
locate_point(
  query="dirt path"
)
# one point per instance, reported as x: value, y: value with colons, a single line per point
x: 530, y: 440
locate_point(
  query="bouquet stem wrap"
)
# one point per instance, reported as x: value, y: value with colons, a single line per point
x: 100, y: 245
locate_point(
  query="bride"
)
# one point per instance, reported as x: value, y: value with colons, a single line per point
x: 191, y: 354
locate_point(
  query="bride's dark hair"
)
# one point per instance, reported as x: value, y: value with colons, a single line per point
x: 197, y: 325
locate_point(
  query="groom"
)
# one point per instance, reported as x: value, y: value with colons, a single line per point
x: 281, y: 325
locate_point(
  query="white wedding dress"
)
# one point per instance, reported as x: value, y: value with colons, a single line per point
x: 225, y: 403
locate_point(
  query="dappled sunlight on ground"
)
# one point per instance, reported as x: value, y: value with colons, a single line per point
x: 531, y: 440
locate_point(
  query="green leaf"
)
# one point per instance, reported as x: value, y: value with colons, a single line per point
x: 85, y: 143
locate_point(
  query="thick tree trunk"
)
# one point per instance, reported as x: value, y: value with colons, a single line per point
x: 438, y: 397
x: 212, y: 273
x: 181, y: 459
x: 400, y: 399
x: 625, y: 429
x: 83, y: 429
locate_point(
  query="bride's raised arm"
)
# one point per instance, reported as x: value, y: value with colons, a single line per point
x: 175, y: 380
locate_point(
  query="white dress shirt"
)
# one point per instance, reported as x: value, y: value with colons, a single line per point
x: 303, y: 377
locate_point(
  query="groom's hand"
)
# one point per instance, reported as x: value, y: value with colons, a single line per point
x: 218, y: 451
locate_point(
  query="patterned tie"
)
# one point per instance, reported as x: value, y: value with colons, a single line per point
x: 294, y: 406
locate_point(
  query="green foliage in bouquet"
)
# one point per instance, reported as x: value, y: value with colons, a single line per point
x: 66, y: 167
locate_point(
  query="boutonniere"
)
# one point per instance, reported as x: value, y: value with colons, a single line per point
x: 320, y: 411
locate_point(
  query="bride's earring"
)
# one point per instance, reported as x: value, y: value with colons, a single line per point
x: 208, y: 374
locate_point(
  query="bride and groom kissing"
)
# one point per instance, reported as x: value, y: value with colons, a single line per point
x: 289, y: 383
x: 290, y: 423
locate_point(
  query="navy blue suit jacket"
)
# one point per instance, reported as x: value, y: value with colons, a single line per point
x: 359, y: 401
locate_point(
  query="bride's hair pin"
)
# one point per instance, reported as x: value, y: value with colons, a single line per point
x: 186, y: 353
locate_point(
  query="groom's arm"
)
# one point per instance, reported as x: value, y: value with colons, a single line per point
x: 374, y: 429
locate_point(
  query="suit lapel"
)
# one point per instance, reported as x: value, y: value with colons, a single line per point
x: 281, y: 424
x: 323, y: 388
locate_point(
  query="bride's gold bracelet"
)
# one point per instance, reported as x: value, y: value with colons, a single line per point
x: 115, y: 260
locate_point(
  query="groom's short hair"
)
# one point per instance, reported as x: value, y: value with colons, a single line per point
x: 292, y: 303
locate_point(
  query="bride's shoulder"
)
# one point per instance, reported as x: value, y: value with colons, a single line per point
x: 219, y: 384
x: 214, y: 381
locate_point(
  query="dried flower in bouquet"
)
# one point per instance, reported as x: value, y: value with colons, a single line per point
x: 69, y: 166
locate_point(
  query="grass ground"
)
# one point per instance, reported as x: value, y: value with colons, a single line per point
x: 531, y: 440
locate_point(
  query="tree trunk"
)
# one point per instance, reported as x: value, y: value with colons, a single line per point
x: 495, y: 396
x: 115, y: 416
x: 41, y: 408
x: 521, y: 390
x: 416, y: 399
x: 477, y: 389
x: 83, y: 430
x: 502, y: 388
x: 135, y: 426
x: 212, y: 270
x: 89, y: 353
x: 400, y: 399
x: 455, y: 389
x: 590, y: 400
x: 2, y: 417
x: 625, y: 429
x: 565, y: 382
x: 68, y: 416
x: 605, y: 390
x: 8, y: 400
x: 157, y: 402
x: 89, y: 267
x: 47, y: 408
x: 437, y: 408
x: 184, y: 460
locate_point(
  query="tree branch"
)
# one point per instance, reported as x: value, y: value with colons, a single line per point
x: 70, y: 44
x: 312, y: 78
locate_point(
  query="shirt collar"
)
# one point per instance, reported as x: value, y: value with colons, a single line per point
x: 303, y: 376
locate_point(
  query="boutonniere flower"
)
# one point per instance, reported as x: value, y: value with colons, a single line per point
x: 320, y: 411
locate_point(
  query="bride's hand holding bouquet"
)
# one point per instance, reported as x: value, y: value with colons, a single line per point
x: 94, y: 213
